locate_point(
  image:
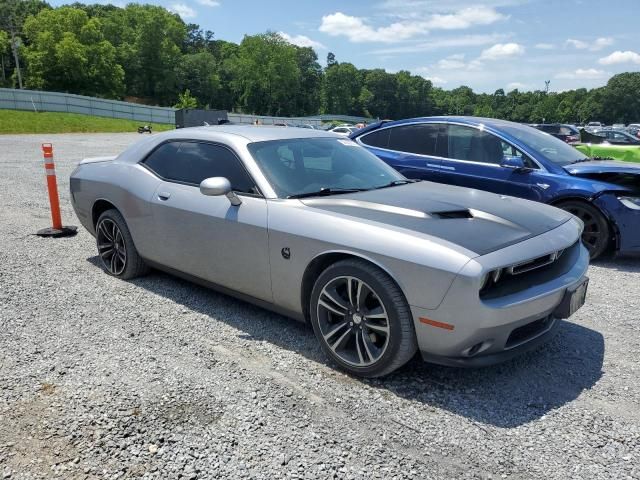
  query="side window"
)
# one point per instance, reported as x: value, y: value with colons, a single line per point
x: 377, y: 138
x: 162, y: 159
x: 192, y: 162
x: 421, y: 139
x: 466, y: 143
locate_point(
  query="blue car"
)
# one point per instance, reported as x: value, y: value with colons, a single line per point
x: 513, y: 159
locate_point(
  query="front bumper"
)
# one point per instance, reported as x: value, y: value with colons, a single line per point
x: 625, y: 219
x: 482, y: 332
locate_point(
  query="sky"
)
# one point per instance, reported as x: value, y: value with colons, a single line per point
x: 485, y: 45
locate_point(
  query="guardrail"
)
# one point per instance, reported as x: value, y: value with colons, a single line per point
x: 38, y: 101
x: 66, y: 102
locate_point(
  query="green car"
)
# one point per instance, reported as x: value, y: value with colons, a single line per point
x: 616, y: 144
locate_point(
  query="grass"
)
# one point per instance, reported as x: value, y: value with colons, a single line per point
x: 16, y: 121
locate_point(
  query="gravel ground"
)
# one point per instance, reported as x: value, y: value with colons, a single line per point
x: 158, y: 378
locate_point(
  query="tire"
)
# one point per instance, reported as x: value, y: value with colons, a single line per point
x: 117, y: 253
x: 597, y: 233
x: 370, y: 333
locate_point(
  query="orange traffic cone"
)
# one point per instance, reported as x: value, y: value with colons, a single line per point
x: 57, y: 230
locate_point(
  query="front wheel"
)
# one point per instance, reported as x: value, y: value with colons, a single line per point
x: 361, y: 319
x: 596, y: 234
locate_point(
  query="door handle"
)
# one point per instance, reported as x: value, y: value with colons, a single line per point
x: 164, y: 195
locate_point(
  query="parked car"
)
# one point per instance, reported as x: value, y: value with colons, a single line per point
x: 515, y: 159
x: 316, y: 227
x: 611, y: 144
x: 618, y: 126
x: 595, y: 124
x: 634, y: 129
x: 619, y: 137
x: 566, y: 133
x: 345, y: 130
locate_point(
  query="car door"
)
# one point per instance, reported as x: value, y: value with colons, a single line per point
x: 473, y: 160
x: 206, y: 236
x: 412, y: 149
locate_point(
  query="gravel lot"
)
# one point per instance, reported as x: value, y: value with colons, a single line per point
x: 158, y: 378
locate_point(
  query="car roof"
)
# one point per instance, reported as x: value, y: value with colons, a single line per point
x: 254, y: 133
x: 464, y: 120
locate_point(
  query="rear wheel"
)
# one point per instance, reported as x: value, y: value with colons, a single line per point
x: 596, y: 234
x: 116, y: 250
x: 361, y: 319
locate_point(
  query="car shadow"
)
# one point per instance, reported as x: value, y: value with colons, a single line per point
x: 505, y: 395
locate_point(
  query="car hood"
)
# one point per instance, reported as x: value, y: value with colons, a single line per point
x: 623, y: 175
x: 478, y: 221
x: 599, y: 166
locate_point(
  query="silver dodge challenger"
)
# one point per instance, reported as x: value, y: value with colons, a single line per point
x: 311, y: 225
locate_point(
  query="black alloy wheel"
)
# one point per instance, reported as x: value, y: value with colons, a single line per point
x: 118, y: 254
x: 362, y: 319
x: 596, y: 234
x: 111, y: 247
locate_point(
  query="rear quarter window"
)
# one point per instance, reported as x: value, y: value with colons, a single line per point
x: 377, y: 138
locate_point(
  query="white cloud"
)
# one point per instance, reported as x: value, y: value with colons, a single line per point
x: 602, y: 42
x: 465, y: 18
x: 358, y: 30
x: 424, y: 72
x: 502, y: 50
x: 597, y: 44
x: 301, y: 41
x: 516, y: 86
x: 209, y: 3
x: 415, y: 8
x: 182, y: 9
x: 584, y: 74
x: 544, y: 46
x: 447, y: 42
x: 620, y: 57
x: 579, y: 44
x: 451, y: 62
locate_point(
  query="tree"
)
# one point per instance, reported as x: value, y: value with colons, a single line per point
x: 197, y: 72
x: 67, y: 52
x: 5, y: 46
x: 186, y: 100
x: 331, y: 59
x: 341, y: 89
x: 620, y: 99
x: 265, y: 76
x: 308, y: 98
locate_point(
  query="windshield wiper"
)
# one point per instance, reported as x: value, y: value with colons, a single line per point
x: 326, y: 191
x: 397, y: 182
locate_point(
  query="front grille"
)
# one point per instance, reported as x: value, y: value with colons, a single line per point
x: 535, y: 263
x: 528, y: 332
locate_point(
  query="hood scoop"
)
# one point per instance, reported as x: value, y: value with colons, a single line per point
x: 453, y: 214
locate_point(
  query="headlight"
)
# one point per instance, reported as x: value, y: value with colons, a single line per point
x: 491, y: 279
x: 630, y: 202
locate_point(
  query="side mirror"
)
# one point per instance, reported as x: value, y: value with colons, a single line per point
x: 514, y: 162
x: 216, y: 186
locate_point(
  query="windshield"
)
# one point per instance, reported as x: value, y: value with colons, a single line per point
x: 550, y: 147
x: 297, y: 166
